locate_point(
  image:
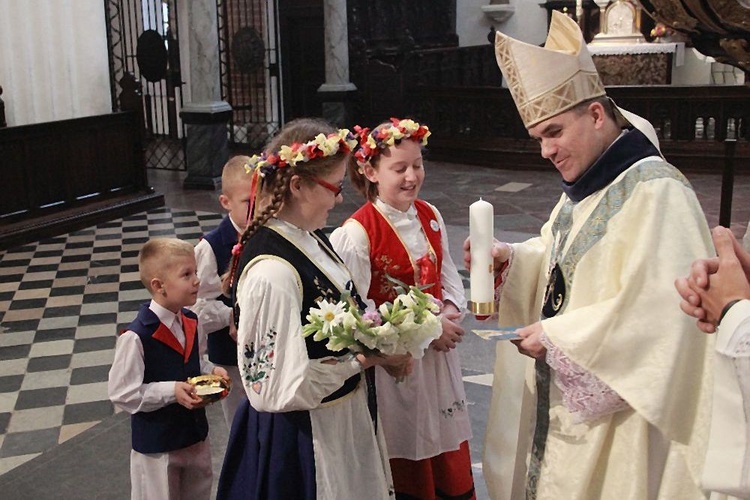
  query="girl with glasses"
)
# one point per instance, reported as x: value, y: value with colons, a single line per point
x: 306, y: 429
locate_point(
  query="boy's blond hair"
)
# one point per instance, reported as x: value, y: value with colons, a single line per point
x: 234, y: 171
x: 156, y: 256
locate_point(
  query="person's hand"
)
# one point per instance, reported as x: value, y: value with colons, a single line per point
x: 742, y: 255
x: 187, y: 396
x: 452, y: 332
x: 221, y: 372
x: 728, y: 283
x: 500, y: 254
x: 687, y: 286
x: 398, y: 360
x: 698, y: 279
x: 400, y: 371
x: 530, y: 343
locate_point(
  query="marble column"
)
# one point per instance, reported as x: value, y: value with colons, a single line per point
x: 206, y: 115
x: 337, y: 91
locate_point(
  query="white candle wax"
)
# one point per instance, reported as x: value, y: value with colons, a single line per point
x: 481, y: 233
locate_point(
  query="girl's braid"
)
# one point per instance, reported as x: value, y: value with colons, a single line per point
x: 279, y: 191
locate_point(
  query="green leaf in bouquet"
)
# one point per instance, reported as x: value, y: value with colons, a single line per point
x: 403, y: 288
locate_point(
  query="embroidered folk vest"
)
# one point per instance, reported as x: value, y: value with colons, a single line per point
x: 315, y: 286
x: 390, y: 258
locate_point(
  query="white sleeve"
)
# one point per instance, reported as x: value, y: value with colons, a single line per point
x: 353, y: 246
x: 733, y: 338
x: 277, y: 374
x: 213, y: 315
x: 453, y: 286
x: 125, y: 386
x: 733, y: 341
x: 728, y: 453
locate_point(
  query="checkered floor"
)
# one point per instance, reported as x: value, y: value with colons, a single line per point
x: 62, y: 300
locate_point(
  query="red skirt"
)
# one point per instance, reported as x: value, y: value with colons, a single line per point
x: 446, y: 476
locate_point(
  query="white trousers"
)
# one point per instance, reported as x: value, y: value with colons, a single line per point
x: 183, y: 474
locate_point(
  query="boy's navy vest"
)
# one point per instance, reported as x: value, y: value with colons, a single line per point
x: 173, y: 427
x: 315, y: 286
x: 222, y: 349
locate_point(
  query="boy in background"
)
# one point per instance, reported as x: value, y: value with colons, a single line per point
x: 212, y: 254
x: 171, y: 455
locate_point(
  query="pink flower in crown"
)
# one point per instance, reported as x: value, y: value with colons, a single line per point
x: 371, y: 143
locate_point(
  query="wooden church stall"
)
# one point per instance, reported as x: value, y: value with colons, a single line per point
x: 62, y: 176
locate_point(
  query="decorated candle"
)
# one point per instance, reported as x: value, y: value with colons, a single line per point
x: 481, y: 231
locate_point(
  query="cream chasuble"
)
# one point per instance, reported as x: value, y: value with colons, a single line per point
x: 621, y: 321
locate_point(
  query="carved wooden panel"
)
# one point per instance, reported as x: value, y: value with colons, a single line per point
x: 482, y: 125
x: 388, y: 26
x: 634, y: 69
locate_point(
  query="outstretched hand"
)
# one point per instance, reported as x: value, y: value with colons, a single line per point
x: 530, y: 343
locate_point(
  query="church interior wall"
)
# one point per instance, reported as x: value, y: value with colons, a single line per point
x: 528, y: 22
x: 66, y: 75
x: 53, y: 60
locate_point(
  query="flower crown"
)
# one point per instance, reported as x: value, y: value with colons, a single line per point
x: 289, y: 156
x: 320, y: 147
x: 371, y: 144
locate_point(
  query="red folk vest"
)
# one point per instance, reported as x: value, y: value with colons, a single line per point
x: 390, y: 258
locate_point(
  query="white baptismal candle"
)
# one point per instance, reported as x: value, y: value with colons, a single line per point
x: 482, y: 277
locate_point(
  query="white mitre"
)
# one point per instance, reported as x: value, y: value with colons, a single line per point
x: 546, y: 81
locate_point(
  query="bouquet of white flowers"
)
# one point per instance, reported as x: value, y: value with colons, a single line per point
x: 407, y: 325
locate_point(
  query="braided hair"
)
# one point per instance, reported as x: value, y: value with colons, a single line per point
x: 275, y: 186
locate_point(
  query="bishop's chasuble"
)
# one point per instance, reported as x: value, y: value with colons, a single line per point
x: 620, y: 320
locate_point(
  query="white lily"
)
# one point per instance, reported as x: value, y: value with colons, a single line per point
x: 330, y: 314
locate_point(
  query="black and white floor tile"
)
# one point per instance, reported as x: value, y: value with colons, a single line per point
x: 62, y: 302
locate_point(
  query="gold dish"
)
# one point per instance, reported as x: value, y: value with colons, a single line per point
x: 210, y: 388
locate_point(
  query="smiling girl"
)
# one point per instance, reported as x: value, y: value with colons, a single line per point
x: 397, y: 235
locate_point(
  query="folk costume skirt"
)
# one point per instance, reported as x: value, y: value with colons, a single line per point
x: 330, y: 452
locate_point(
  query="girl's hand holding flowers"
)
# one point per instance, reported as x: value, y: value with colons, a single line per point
x: 400, y: 368
x: 397, y: 366
x: 389, y: 336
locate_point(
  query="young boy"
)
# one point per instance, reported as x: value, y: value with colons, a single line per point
x: 212, y: 254
x: 171, y: 456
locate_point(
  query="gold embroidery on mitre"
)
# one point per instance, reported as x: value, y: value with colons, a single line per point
x: 580, y: 87
x: 521, y: 75
x: 504, y: 56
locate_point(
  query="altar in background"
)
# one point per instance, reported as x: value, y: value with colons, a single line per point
x: 637, y: 63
